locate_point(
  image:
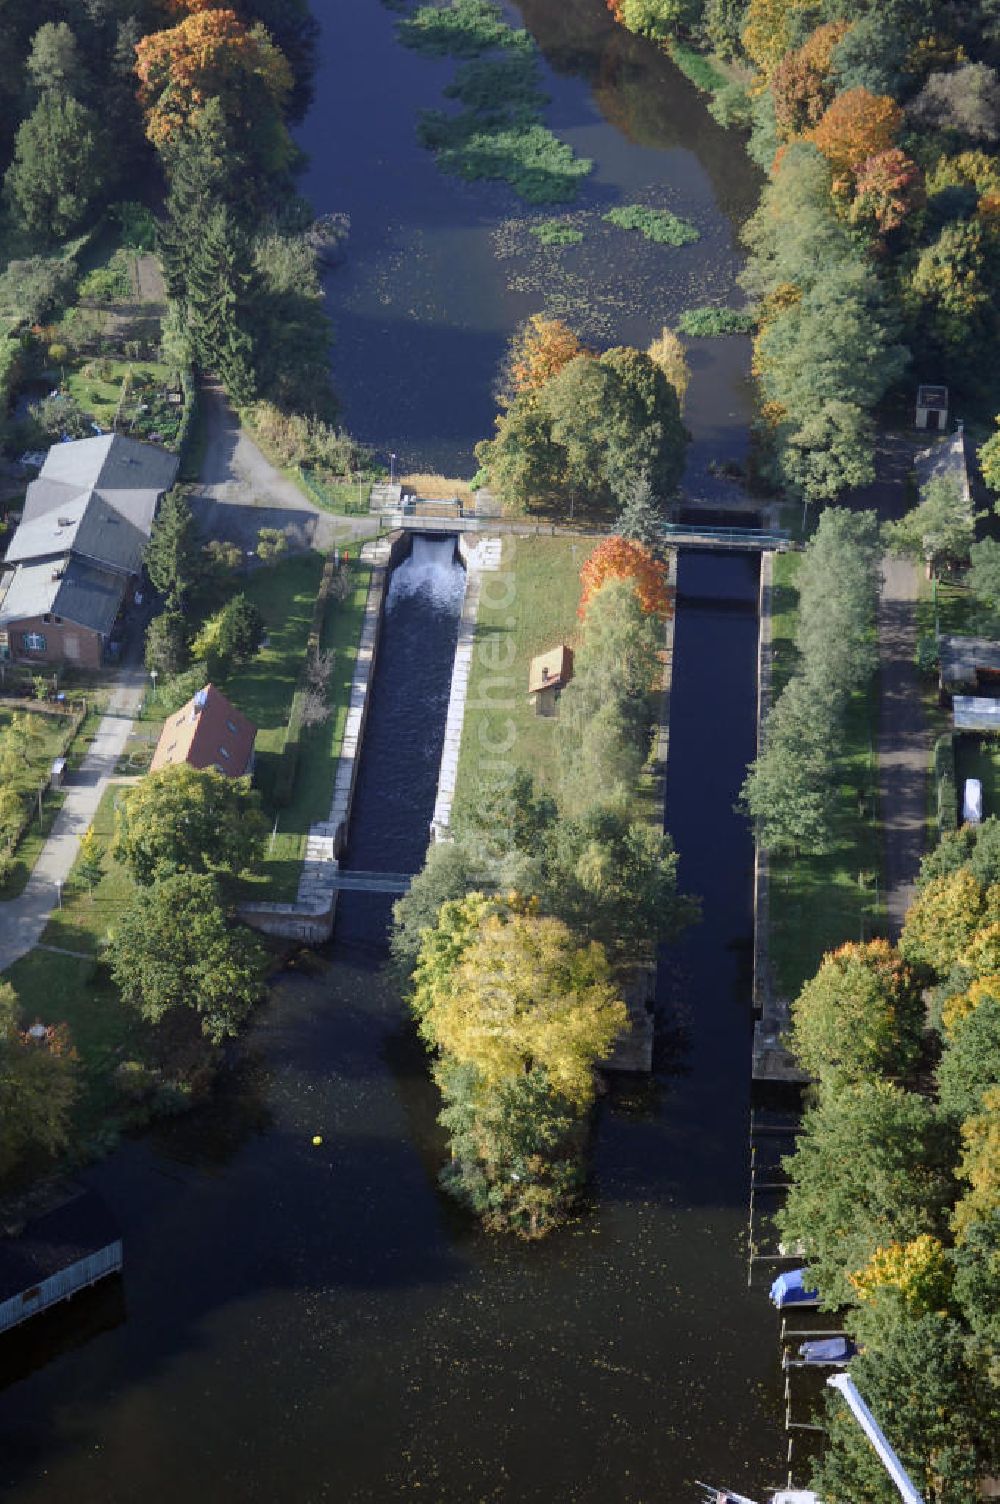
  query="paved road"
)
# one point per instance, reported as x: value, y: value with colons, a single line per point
x: 239, y: 491
x: 23, y: 919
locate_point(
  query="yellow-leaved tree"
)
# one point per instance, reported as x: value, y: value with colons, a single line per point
x: 521, y: 994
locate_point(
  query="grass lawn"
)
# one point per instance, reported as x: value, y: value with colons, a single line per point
x: 58, y: 988
x: 537, y: 612
x: 97, y: 384
x: 320, y: 747
x: 52, y: 732
x: 818, y: 902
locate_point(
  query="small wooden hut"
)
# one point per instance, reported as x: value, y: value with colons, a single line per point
x: 549, y: 674
x: 932, y: 408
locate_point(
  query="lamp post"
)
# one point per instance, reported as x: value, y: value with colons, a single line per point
x: 154, y: 675
x: 392, y: 469
x: 59, y: 888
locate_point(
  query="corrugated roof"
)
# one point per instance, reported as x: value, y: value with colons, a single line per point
x: 207, y: 732
x: 962, y: 657
x: 976, y: 713
x: 551, y: 670
x: 69, y: 588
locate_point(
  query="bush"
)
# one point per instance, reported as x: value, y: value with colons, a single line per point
x: 731, y: 106
x: 946, y: 779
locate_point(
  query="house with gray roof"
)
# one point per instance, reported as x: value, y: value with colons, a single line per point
x: 77, y: 554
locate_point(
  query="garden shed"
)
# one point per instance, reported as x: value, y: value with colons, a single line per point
x: 549, y: 674
x: 968, y: 663
x: 55, y: 1256
x: 932, y: 407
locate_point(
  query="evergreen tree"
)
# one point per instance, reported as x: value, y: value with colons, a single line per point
x: 640, y: 519
x: 218, y: 290
x: 173, y: 555
x: 56, y: 173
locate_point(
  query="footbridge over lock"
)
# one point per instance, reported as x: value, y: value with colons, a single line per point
x: 675, y: 534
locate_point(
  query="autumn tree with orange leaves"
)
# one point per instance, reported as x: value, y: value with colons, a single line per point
x: 619, y: 559
x: 857, y: 125
x: 211, y: 54
x: 540, y: 349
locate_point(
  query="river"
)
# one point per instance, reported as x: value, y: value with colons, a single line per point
x: 439, y: 272
x: 303, y: 1323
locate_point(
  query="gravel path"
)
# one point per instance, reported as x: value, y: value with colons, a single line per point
x: 239, y: 491
x: 904, y: 739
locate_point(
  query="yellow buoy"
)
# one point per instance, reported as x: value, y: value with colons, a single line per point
x: 317, y: 1140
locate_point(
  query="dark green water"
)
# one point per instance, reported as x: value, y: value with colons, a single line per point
x: 302, y: 1324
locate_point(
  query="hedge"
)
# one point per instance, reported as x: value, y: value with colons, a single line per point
x: 946, y: 779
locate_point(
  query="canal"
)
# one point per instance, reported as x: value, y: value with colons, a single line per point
x: 306, y: 1323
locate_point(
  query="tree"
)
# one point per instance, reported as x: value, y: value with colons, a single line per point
x: 173, y: 556
x: 54, y: 64
x: 90, y: 859
x: 539, y: 349
x: 801, y: 85
x: 970, y: 1063
x: 219, y: 289
x: 872, y: 1166
x: 450, y: 871
x: 965, y: 100
x: 915, y: 1376
x: 918, y: 1275
x: 184, y: 819
x: 38, y: 1087
x: 212, y: 54
x: 37, y: 289
x: 640, y: 516
x: 861, y: 1014
x: 515, y: 1150
x: 618, y: 559
x: 856, y: 126
x: 888, y: 187
x: 668, y: 353
x: 171, y: 950
x: 789, y: 787
x: 939, y: 530
x: 166, y: 643
x: 951, y: 291
x: 989, y: 459
x: 943, y: 918
x: 272, y: 542
x: 509, y: 814
x: 522, y: 995
x: 983, y: 577
x: 980, y: 1165
x: 56, y: 172
x: 241, y: 628
x: 614, y: 880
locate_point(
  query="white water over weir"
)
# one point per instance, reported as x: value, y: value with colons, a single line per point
x: 432, y: 570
